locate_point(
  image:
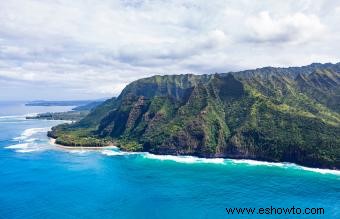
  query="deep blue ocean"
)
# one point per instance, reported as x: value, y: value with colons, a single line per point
x: 40, y: 180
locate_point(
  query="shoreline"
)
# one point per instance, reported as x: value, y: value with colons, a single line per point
x: 241, y: 160
x: 53, y: 142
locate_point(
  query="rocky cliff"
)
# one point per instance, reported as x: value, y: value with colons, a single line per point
x: 272, y: 114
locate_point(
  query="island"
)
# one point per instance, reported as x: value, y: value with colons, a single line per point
x: 75, y: 114
x: 69, y: 115
x: 269, y: 114
x: 58, y: 102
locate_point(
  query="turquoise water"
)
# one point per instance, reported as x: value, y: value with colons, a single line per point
x: 39, y: 180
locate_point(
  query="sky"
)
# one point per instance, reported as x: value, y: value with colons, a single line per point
x: 62, y: 49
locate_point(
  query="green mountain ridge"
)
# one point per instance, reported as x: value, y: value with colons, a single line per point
x: 272, y: 114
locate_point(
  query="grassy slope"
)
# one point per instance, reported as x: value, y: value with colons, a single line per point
x: 268, y: 116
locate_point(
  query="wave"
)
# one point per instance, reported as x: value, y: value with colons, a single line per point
x: 12, y: 118
x: 318, y: 170
x: 17, y: 117
x: 284, y: 165
x: 26, y: 147
x: 118, y: 153
x: 76, y: 151
x: 30, y: 132
x: 27, y: 150
x: 255, y: 162
x: 27, y: 142
x: 184, y: 159
x: 178, y: 159
x: 193, y: 160
x: 18, y: 146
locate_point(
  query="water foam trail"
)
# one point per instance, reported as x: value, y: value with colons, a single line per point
x: 184, y: 159
x: 77, y: 151
x: 26, y: 150
x: 12, y: 118
x: 317, y: 170
x: 285, y: 165
x: 16, y: 117
x: 193, y: 160
x: 27, y: 143
x: 118, y: 153
x: 178, y: 159
x: 255, y: 162
x: 18, y: 146
x: 30, y: 132
x: 29, y: 147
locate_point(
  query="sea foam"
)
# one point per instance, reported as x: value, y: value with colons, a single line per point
x: 27, y: 147
x: 284, y: 165
x: 193, y: 160
x: 184, y: 159
x: 18, y: 146
x: 118, y: 153
x: 30, y: 132
x: 28, y: 142
x: 7, y: 119
x: 255, y: 162
x: 178, y: 159
x: 318, y: 170
x: 16, y: 117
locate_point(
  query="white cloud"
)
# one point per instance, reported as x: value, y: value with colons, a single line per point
x: 296, y: 28
x: 94, y: 48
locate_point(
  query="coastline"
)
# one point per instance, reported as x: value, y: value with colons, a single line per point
x: 251, y: 162
x: 53, y: 142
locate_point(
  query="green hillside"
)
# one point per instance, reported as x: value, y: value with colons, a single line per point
x: 272, y: 114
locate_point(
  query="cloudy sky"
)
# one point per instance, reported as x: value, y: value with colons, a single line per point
x: 80, y: 49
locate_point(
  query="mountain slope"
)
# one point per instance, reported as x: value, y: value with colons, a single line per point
x: 273, y: 114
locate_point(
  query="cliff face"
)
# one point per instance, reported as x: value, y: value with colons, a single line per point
x: 272, y: 114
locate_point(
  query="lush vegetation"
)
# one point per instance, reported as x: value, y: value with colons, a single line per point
x: 273, y: 114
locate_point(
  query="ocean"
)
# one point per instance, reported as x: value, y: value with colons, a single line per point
x: 40, y: 180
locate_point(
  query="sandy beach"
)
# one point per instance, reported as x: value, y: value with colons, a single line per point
x: 53, y: 142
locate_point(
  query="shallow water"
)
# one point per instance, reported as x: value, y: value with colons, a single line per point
x: 39, y: 180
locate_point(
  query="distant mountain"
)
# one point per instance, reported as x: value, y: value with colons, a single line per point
x: 88, y: 106
x: 58, y: 103
x: 272, y: 114
x: 76, y: 114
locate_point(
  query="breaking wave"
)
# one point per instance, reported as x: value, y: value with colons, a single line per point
x: 26, y: 134
x: 15, y: 117
x: 28, y: 142
x: 255, y: 162
x: 284, y: 165
x: 184, y: 159
x: 194, y: 160
x: 118, y: 153
x: 18, y: 146
x: 4, y: 119
x: 27, y: 147
x: 178, y: 159
x: 317, y: 170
